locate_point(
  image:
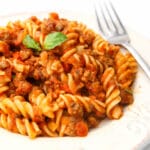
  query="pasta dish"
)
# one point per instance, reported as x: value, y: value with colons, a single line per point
x: 60, y: 78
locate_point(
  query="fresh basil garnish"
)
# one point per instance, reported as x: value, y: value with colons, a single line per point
x: 29, y: 42
x: 54, y: 39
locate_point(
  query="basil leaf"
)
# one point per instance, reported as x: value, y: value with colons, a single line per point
x: 29, y: 42
x: 54, y: 39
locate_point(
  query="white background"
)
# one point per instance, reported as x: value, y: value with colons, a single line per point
x: 134, y: 13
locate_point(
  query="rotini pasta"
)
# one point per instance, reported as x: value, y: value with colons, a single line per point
x: 19, y: 106
x: 18, y: 125
x: 126, y: 68
x: 59, y: 78
x: 112, y: 94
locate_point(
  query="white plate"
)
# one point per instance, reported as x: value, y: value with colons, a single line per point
x: 132, y: 131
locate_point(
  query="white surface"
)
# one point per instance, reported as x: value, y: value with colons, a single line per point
x: 128, y: 133
x: 134, y: 13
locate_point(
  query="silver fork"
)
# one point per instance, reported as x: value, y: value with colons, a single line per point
x: 113, y: 30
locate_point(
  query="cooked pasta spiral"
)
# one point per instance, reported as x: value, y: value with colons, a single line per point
x: 72, y: 102
x: 22, y: 126
x: 100, y: 45
x: 112, y: 94
x: 72, y: 38
x: 43, y: 102
x: 19, y: 106
x: 126, y: 68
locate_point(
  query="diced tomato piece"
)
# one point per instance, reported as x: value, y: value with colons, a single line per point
x: 65, y: 88
x: 81, y: 128
x: 16, y: 55
x: 54, y: 16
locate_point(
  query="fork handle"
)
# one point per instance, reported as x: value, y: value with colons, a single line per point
x: 139, y: 59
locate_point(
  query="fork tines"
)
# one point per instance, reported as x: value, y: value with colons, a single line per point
x: 108, y: 19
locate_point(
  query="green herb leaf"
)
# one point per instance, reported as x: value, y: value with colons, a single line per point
x: 29, y: 42
x: 54, y: 39
x: 129, y: 91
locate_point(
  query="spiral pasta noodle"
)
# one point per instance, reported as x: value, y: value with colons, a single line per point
x: 20, y: 107
x: 60, y: 78
x: 126, y: 68
x: 22, y: 126
x: 112, y: 94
